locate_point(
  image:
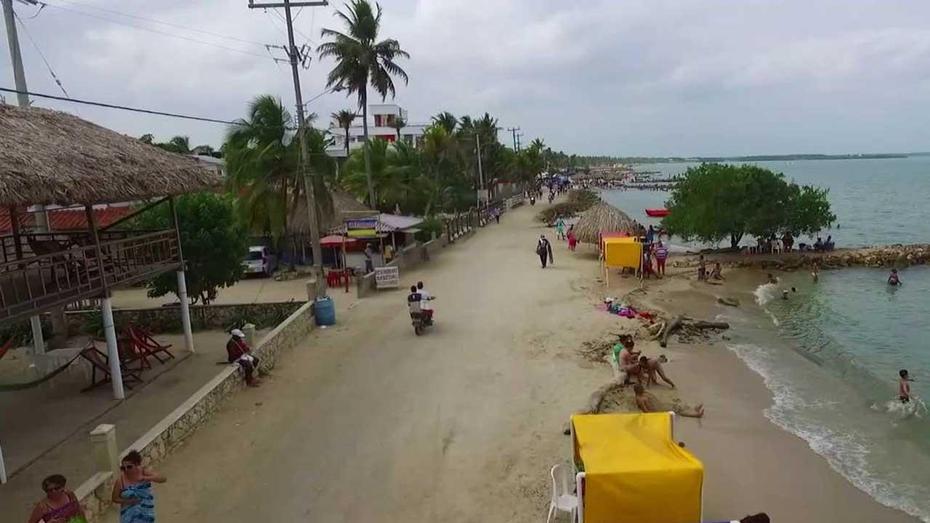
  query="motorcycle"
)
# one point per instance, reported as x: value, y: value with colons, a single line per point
x: 421, y: 320
x: 532, y: 201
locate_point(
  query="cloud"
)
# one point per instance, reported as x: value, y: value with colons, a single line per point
x: 592, y: 76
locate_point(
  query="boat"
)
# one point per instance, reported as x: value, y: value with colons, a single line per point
x: 657, y: 213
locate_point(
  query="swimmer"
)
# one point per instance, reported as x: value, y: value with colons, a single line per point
x: 794, y: 289
x: 904, y: 387
x: 772, y: 279
x: 815, y: 271
x: 784, y: 294
x: 893, y: 278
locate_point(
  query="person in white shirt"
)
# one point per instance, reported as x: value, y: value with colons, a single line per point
x: 425, y: 298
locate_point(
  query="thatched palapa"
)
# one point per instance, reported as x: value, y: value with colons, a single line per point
x: 51, y: 157
x: 603, y: 218
x: 344, y: 206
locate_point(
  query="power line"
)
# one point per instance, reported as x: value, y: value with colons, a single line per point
x: 162, y: 22
x: 41, y: 54
x: 121, y: 107
x: 156, y: 31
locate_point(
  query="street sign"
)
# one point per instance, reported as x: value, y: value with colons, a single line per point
x: 387, y: 277
x: 362, y: 228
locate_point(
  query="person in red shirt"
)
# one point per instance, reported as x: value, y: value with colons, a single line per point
x: 238, y: 352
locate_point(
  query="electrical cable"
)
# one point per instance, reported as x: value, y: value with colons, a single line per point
x: 41, y: 54
x: 156, y: 31
x: 121, y: 107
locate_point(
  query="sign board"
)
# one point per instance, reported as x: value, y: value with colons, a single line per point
x: 387, y: 277
x: 362, y: 228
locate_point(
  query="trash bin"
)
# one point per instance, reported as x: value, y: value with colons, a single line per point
x: 324, y: 311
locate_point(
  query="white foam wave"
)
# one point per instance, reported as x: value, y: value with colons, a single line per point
x: 846, y: 452
x: 765, y: 293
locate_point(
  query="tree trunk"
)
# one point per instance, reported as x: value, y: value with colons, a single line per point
x: 347, y: 143
x: 734, y: 240
x: 363, y: 96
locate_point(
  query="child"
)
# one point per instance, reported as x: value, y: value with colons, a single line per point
x: 904, y: 387
x: 893, y: 278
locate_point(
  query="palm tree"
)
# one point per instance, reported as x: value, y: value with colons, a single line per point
x: 446, y: 120
x: 345, y: 118
x: 398, y: 124
x: 362, y: 59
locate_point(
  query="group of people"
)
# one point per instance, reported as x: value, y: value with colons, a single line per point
x: 568, y: 235
x: 716, y: 274
x: 654, y: 250
x: 132, y: 492
x: 631, y: 365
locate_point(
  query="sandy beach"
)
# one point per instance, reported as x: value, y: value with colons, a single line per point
x: 366, y: 422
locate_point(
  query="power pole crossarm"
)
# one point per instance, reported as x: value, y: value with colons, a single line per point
x: 286, y: 5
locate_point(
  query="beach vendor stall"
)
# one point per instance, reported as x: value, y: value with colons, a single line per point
x: 630, y: 469
x: 620, y: 253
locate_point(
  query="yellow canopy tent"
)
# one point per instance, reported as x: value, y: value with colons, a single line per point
x: 621, y: 253
x: 633, y: 470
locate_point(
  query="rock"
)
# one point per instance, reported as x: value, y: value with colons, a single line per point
x: 730, y: 302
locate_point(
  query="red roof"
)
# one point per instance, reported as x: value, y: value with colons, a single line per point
x: 65, y: 219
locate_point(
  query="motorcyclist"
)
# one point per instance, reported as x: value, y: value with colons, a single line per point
x: 414, y: 300
x: 425, y: 307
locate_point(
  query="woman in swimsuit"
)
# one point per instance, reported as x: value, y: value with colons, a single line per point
x: 60, y: 505
x: 133, y: 490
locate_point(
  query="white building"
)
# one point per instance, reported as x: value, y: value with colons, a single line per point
x: 381, y: 118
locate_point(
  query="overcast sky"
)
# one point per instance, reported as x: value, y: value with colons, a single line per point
x: 619, y: 77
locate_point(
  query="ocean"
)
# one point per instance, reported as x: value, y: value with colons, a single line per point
x: 831, y: 352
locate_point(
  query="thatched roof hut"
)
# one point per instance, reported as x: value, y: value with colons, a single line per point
x: 51, y: 157
x: 603, y: 218
x: 344, y: 206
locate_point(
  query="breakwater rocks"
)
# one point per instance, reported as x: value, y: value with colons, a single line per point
x: 897, y: 256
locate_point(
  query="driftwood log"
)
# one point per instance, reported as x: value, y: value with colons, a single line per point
x: 683, y: 321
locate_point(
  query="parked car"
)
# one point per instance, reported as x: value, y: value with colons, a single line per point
x: 260, y: 260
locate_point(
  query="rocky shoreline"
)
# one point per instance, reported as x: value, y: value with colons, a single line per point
x: 889, y: 256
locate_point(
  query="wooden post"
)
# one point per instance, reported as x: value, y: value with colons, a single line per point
x: 345, y: 262
x: 182, y: 282
x: 109, y: 329
x: 17, y: 242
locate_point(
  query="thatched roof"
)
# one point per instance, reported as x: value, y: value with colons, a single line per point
x: 344, y: 206
x: 51, y: 157
x: 603, y: 218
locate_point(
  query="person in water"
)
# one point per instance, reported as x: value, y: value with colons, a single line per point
x: 772, y: 279
x: 815, y: 271
x: 893, y: 278
x: 649, y: 403
x: 904, y: 386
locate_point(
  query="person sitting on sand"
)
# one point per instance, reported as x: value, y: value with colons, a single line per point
x: 649, y: 403
x: 650, y: 367
x: 772, y: 279
x: 904, y: 387
x: 626, y: 360
x: 893, y: 278
x: 717, y: 273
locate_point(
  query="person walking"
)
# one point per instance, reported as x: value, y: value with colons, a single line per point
x: 572, y: 239
x: 133, y: 490
x: 59, y: 503
x: 544, y: 250
x: 661, y: 254
x: 369, y: 263
x: 560, y: 228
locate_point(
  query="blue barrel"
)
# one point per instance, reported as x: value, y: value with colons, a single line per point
x: 324, y: 311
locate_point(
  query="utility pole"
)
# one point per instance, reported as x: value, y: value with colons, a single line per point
x: 480, y: 172
x: 19, y: 77
x: 22, y: 98
x: 301, y: 129
x: 514, y: 131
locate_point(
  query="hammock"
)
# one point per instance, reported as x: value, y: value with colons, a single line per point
x: 10, y: 387
x: 5, y: 348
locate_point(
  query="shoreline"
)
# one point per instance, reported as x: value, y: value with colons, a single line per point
x: 752, y: 463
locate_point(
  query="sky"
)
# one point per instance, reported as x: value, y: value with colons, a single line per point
x: 612, y: 77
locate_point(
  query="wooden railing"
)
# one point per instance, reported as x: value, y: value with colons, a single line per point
x: 74, y: 271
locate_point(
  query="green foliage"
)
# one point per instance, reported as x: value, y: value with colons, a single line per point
x: 212, y: 241
x: 717, y: 201
x: 21, y: 332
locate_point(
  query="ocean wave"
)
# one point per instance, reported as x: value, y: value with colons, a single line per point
x: 846, y: 451
x: 765, y: 293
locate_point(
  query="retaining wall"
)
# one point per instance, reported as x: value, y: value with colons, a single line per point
x: 181, y: 424
x: 215, y: 316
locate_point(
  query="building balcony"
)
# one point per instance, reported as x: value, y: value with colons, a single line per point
x: 51, y: 270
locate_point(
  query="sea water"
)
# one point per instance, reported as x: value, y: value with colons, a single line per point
x: 831, y: 352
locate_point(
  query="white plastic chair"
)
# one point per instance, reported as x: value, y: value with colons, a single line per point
x: 562, y: 498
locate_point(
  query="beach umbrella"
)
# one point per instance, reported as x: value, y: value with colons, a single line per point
x: 603, y: 218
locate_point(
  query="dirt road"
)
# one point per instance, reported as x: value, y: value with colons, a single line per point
x: 367, y: 423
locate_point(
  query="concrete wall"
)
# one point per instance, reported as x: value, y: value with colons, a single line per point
x: 407, y: 258
x: 175, y: 428
x: 168, y: 319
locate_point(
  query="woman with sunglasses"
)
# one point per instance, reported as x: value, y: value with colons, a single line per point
x: 60, y: 505
x: 133, y: 490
